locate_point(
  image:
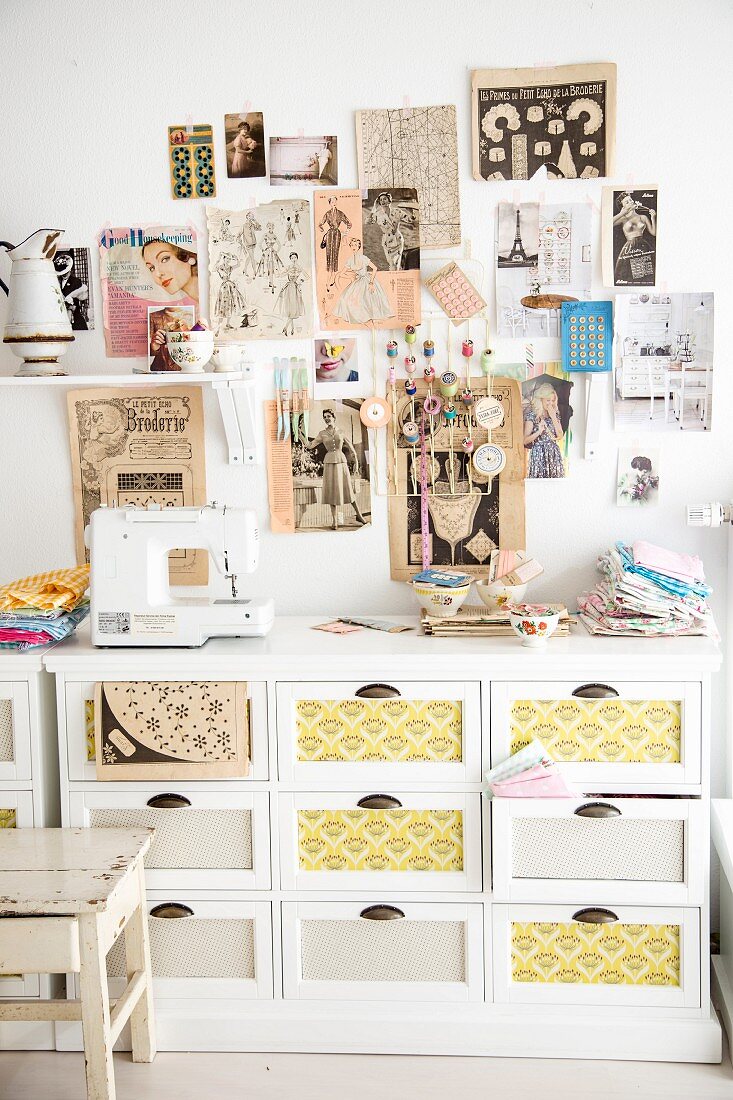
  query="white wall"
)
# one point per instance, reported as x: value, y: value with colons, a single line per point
x: 88, y: 90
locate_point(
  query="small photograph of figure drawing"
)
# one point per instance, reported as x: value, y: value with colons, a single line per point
x: 330, y: 465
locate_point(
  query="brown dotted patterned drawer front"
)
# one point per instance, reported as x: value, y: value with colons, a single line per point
x: 380, y: 840
x: 619, y: 848
x: 187, y: 837
x: 609, y: 731
x: 366, y: 730
x: 575, y: 953
x: 189, y: 947
x: 7, y: 743
x: 383, y: 951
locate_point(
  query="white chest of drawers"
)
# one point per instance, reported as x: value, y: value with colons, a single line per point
x: 355, y: 891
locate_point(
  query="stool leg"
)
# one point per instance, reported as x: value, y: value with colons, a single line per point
x: 137, y: 951
x: 95, y: 1012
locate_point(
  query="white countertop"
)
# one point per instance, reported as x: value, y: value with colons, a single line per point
x: 293, y: 650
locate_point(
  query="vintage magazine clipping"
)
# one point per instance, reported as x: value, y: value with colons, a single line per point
x: 629, y: 236
x: 139, y: 447
x: 561, y: 118
x: 260, y: 261
x: 73, y: 267
x: 319, y: 482
x: 415, y: 147
x: 467, y: 517
x: 142, y: 267
x: 367, y: 258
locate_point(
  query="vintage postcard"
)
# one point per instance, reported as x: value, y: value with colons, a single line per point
x: 142, y: 267
x: 562, y: 119
x: 302, y: 160
x: 663, y: 362
x: 546, y: 415
x: 161, y: 321
x: 320, y: 482
x: 469, y: 514
x: 638, y: 475
x: 245, y: 145
x: 415, y: 147
x: 367, y: 259
x: 260, y: 271
x: 629, y: 236
x: 543, y: 257
x: 139, y: 447
x: 74, y: 270
x: 191, y: 162
x: 337, y: 368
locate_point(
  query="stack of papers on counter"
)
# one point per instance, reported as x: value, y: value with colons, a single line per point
x: 44, y: 608
x: 638, y: 599
x: 482, y: 623
x: 529, y: 773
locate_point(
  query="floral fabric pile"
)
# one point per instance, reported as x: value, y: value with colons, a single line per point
x: 44, y: 608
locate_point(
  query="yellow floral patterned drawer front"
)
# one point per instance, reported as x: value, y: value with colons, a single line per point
x: 596, y: 954
x: 8, y: 819
x: 380, y: 840
x: 404, y: 730
x: 89, y: 728
x: 610, y: 731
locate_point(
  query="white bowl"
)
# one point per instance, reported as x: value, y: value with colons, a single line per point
x: 439, y: 600
x: 228, y: 357
x: 496, y: 594
x: 533, y: 624
x: 190, y: 351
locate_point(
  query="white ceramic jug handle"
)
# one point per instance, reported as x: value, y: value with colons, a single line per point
x: 7, y: 245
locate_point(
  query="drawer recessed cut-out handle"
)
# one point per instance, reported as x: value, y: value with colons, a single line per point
x: 168, y: 801
x: 379, y: 802
x: 595, y: 916
x: 381, y: 912
x: 171, y: 910
x: 377, y: 691
x: 598, y: 810
x: 595, y: 691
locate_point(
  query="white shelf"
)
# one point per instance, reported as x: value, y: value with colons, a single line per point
x: 128, y: 379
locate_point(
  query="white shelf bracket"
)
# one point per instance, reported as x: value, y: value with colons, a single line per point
x: 237, y: 403
x: 595, y: 394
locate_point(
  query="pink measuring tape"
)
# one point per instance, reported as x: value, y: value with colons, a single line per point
x: 424, y: 531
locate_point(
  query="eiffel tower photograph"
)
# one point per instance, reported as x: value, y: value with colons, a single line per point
x: 518, y: 235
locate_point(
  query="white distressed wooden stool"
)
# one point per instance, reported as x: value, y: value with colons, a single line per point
x: 65, y: 897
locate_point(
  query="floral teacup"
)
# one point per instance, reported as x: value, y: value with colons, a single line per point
x: 533, y: 623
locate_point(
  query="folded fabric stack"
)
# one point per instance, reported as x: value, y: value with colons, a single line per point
x: 529, y: 773
x: 44, y: 608
x: 648, y: 591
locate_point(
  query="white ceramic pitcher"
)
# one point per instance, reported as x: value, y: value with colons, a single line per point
x: 37, y: 328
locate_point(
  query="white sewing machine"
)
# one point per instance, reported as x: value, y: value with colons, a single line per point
x: 131, y: 601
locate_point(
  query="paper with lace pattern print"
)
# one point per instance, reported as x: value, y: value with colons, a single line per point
x: 380, y: 840
x: 576, y: 953
x: 171, y: 730
x: 367, y: 730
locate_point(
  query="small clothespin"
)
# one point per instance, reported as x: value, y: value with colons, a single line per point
x: 278, y: 398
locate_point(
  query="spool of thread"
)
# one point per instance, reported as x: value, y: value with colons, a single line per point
x: 410, y: 334
x: 467, y: 349
x: 432, y: 404
x: 410, y: 387
x: 467, y: 397
x: 428, y: 348
x: 411, y: 432
x: 486, y: 360
x: 429, y: 373
x: 410, y: 364
x: 392, y: 349
x: 449, y: 412
x: 448, y: 383
x: 392, y: 374
x: 467, y: 444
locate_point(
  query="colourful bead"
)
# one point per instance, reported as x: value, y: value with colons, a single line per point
x: 428, y: 348
x: 467, y: 397
x: 392, y: 349
x: 467, y: 349
x: 486, y: 360
x: 410, y: 387
x: 448, y: 383
x: 467, y: 444
x: 411, y: 432
x: 410, y: 334
x: 429, y: 373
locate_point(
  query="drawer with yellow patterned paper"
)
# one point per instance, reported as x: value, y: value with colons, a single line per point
x: 593, y: 955
x: 343, y: 732
x: 388, y: 950
x: 161, y: 729
x: 389, y: 840
x: 16, y: 812
x: 608, y: 736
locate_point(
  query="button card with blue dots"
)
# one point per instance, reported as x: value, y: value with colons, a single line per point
x: 587, y: 336
x: 191, y: 162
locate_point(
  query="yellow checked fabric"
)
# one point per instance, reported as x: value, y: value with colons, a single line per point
x: 378, y: 729
x: 7, y: 819
x: 60, y: 590
x: 380, y: 840
x: 611, y: 731
x: 596, y: 954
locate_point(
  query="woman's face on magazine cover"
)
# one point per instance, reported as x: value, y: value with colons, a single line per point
x: 166, y: 269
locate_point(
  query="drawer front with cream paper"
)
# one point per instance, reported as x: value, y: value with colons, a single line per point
x: 396, y: 840
x: 16, y: 812
x: 631, y: 850
x: 644, y: 956
x: 15, y: 734
x: 351, y: 732
x: 145, y: 710
x: 205, y: 838
x: 610, y: 736
x: 385, y: 951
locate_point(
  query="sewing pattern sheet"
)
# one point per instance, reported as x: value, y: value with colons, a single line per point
x: 562, y: 118
x: 368, y: 258
x: 260, y: 263
x: 139, y: 447
x: 415, y: 147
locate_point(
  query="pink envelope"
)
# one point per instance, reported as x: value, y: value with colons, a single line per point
x: 536, y: 782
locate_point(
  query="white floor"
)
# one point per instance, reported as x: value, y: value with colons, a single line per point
x: 48, y: 1076
x: 632, y: 414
